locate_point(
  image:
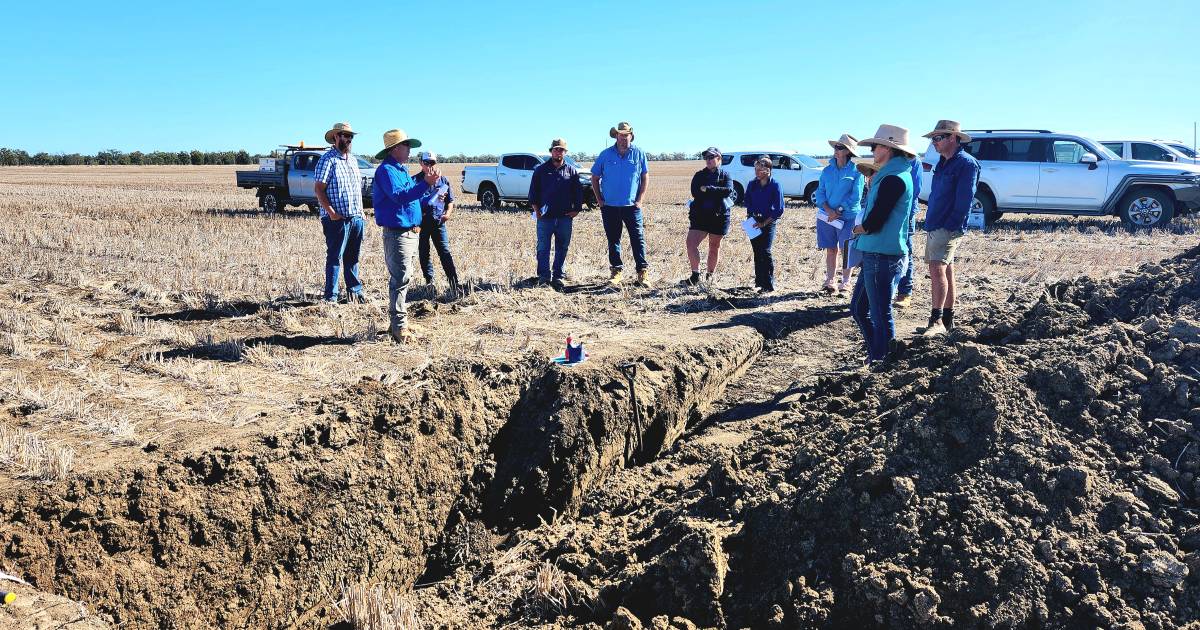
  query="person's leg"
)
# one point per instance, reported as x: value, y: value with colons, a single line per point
x: 948, y: 301
x: 335, y: 237
x: 906, y: 279
x: 859, y: 307
x: 845, y: 249
x: 937, y: 284
x: 545, y: 230
x: 693, y: 248
x: 830, y: 266
x: 354, y: 237
x: 714, y: 253
x: 408, y: 261
x: 632, y: 216
x: 441, y: 242
x: 611, y: 218
x: 879, y: 297
x: 562, y: 240
x: 768, y: 256
x: 423, y: 250
x: 397, y: 282
x: 757, y: 249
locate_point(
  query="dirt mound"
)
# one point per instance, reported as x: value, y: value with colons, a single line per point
x: 1037, y: 469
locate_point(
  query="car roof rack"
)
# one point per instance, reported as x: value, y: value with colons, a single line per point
x: 302, y: 147
x: 1006, y: 130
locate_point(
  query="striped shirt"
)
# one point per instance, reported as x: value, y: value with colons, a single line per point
x: 343, y: 183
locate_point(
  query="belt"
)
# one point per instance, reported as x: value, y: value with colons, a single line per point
x: 398, y: 230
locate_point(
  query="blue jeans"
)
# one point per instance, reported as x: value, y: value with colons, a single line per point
x: 343, y: 239
x: 435, y: 230
x: 906, y: 278
x: 631, y: 217
x: 871, y: 304
x: 399, y: 249
x: 764, y: 261
x: 558, y: 229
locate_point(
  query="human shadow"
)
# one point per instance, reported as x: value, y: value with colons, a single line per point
x: 779, y: 324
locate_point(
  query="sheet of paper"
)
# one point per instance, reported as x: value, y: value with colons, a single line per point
x: 836, y: 223
x: 751, y: 231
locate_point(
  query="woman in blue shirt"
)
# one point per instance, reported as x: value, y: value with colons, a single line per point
x: 838, y: 196
x: 764, y: 204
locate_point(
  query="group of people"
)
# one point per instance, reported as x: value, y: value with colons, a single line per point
x: 865, y: 211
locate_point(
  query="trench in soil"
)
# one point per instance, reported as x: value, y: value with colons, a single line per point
x: 259, y: 533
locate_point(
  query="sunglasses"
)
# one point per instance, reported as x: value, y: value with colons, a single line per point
x: 840, y: 147
x: 347, y: 136
x: 939, y: 137
x: 428, y: 162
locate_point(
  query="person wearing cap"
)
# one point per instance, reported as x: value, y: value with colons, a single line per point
x: 708, y: 213
x: 620, y: 176
x: 556, y: 196
x: 764, y: 204
x: 883, y: 239
x: 437, y: 204
x: 905, y: 288
x: 839, y: 195
x: 397, y: 199
x: 338, y: 186
x: 950, y: 196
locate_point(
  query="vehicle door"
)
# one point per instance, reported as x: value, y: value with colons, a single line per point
x: 1118, y: 148
x: 789, y: 173
x: 1069, y: 184
x: 300, y: 176
x: 1011, y: 168
x: 512, y: 176
x: 1148, y: 151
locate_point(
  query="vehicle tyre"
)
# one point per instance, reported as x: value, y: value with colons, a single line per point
x: 312, y: 208
x: 271, y: 202
x: 1145, y: 209
x: 589, y: 199
x: 739, y: 194
x: 984, y: 203
x: 488, y: 197
x: 809, y: 191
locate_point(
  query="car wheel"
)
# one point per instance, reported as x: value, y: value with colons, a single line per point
x: 984, y: 204
x: 270, y: 202
x: 809, y: 191
x: 488, y: 197
x: 312, y: 208
x: 739, y: 194
x: 1145, y: 209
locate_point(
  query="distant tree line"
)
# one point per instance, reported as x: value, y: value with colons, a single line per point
x: 19, y: 157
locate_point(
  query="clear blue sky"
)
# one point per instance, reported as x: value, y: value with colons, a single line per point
x: 480, y: 77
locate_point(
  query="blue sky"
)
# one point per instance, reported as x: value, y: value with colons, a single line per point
x: 479, y: 77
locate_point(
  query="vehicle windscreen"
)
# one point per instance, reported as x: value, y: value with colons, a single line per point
x: 1183, y: 148
x: 807, y: 160
x: 1104, y: 153
x: 365, y: 164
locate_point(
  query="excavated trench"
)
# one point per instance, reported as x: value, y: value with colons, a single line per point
x: 259, y: 533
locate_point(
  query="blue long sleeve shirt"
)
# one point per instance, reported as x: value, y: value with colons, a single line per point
x: 950, y: 195
x: 840, y: 188
x: 557, y: 188
x: 397, y: 196
x: 764, y: 202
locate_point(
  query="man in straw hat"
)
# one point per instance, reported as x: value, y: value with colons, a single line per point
x: 338, y: 186
x: 950, y: 196
x: 556, y: 196
x: 398, y: 211
x: 883, y: 239
x: 619, y: 179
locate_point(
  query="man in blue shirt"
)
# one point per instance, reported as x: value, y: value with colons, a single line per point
x: 397, y: 200
x: 950, y: 197
x: 556, y: 196
x: 619, y: 179
x: 338, y: 186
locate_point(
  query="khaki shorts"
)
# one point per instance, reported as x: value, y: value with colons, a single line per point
x: 941, y: 244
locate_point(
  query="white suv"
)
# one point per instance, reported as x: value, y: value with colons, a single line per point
x: 1153, y: 150
x: 1039, y: 171
x: 796, y: 173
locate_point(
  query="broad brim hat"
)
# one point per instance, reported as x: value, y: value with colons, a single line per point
x: 866, y: 167
x: 951, y: 127
x: 393, y: 137
x: 847, y: 140
x: 891, y: 136
x: 342, y: 127
x: 558, y: 143
x: 621, y: 128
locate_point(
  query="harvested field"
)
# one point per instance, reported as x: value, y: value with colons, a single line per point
x: 188, y: 439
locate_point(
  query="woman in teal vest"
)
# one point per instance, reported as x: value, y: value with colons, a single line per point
x: 883, y: 239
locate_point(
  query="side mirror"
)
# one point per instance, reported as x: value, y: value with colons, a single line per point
x: 1090, y: 159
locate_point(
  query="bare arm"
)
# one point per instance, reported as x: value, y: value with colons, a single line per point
x: 596, y: 190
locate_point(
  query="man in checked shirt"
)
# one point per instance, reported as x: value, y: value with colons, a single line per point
x: 339, y: 193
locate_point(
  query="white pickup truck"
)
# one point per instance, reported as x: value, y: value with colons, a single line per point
x: 509, y: 180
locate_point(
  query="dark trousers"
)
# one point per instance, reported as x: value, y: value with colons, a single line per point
x: 906, y: 279
x: 343, y: 239
x: 764, y: 260
x: 631, y: 217
x: 435, y: 230
x: 871, y: 304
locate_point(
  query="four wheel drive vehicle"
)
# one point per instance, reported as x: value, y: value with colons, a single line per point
x: 1039, y: 171
x: 289, y: 180
x: 509, y: 180
x: 1153, y: 150
x: 796, y: 173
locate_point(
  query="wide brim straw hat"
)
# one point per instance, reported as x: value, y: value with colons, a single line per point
x: 342, y: 127
x: 891, y: 136
x: 866, y: 167
x: 846, y: 140
x: 393, y: 137
x: 951, y: 127
x: 621, y: 128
